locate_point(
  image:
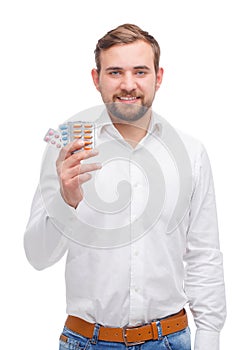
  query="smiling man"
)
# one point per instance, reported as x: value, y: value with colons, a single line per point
x: 124, y: 83
x: 134, y: 295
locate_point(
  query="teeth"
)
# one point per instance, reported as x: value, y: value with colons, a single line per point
x: 128, y: 98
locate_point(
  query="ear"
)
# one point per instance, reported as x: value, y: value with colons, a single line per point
x: 95, y: 78
x: 159, y: 78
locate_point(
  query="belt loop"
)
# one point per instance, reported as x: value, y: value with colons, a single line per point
x: 160, y: 333
x: 154, y: 330
x: 95, y: 334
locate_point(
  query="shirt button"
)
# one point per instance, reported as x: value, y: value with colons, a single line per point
x: 136, y: 185
x: 136, y: 253
x: 133, y: 217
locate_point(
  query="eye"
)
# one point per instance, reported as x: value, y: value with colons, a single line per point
x: 140, y: 72
x: 115, y: 73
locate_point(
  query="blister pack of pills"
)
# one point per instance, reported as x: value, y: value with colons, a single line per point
x: 71, y: 131
x: 54, y: 138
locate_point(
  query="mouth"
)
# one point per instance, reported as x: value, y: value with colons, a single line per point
x: 128, y: 99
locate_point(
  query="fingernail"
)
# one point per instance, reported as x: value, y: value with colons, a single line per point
x: 94, y: 151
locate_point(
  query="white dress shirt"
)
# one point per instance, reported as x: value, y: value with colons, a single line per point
x: 127, y: 278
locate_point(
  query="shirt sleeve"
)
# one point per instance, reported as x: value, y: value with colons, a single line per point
x: 51, y: 219
x: 44, y: 242
x: 204, y: 280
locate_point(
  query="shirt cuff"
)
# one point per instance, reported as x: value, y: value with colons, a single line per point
x: 60, y: 212
x: 205, y: 340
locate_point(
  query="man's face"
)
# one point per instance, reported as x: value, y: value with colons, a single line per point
x: 127, y: 80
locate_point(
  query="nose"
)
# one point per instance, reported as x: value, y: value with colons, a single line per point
x: 128, y: 82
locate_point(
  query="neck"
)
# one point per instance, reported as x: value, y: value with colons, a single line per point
x: 133, y: 132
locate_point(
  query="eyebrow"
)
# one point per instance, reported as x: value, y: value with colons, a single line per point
x: 141, y: 67
x: 120, y: 68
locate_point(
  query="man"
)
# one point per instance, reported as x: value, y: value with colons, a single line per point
x: 130, y: 288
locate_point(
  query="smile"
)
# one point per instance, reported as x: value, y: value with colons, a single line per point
x: 128, y: 99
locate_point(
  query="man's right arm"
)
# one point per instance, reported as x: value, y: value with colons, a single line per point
x: 44, y: 244
x: 54, y: 203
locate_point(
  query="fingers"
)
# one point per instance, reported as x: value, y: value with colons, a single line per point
x: 67, y: 154
x: 77, y: 157
x: 84, y: 178
x: 73, y: 173
x: 69, y: 162
x: 69, y: 149
x: 82, y: 168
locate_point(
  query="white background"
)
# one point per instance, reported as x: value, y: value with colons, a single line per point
x: 46, y: 57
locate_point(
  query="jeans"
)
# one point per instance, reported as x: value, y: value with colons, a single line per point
x: 175, y: 341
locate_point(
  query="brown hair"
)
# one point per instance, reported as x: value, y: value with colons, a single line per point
x: 126, y: 34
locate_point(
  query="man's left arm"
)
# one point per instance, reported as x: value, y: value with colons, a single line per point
x: 204, y: 281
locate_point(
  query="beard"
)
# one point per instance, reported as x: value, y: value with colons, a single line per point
x: 126, y: 112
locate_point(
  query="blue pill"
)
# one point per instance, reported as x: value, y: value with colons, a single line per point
x: 65, y: 138
x: 64, y: 132
x: 63, y: 127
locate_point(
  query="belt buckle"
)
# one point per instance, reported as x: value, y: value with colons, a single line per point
x: 124, y: 331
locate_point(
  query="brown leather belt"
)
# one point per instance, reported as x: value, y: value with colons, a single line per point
x: 129, y: 335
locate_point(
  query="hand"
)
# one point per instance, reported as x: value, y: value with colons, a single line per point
x: 72, y: 174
